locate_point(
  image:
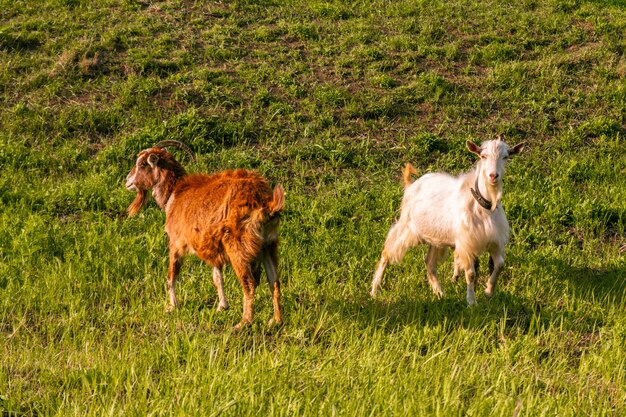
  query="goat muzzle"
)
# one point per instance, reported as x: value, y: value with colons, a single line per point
x: 130, y: 183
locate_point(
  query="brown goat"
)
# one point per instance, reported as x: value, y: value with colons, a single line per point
x: 229, y: 217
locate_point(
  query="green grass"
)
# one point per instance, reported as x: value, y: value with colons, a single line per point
x: 330, y: 99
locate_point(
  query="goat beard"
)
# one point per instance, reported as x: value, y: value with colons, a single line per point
x: 140, y: 200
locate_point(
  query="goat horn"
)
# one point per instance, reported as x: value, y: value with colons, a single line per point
x: 165, y: 143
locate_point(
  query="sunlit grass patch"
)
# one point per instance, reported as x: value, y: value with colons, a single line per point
x: 330, y: 100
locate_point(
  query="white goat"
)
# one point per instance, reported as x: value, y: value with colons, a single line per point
x: 461, y: 212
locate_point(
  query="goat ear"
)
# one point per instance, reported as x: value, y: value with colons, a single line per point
x: 517, y: 149
x: 153, y: 160
x: 473, y: 148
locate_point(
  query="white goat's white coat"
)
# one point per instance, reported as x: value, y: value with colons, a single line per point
x: 441, y: 211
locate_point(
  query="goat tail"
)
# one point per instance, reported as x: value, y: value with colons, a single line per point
x: 267, y: 213
x: 278, y: 201
x: 406, y: 174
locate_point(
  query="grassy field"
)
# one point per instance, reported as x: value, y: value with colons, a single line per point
x: 330, y: 99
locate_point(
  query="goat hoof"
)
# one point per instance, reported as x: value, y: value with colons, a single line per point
x: 170, y: 308
x: 272, y: 322
x: 488, y: 293
x: 243, y: 325
x: 471, y: 302
x: 223, y: 307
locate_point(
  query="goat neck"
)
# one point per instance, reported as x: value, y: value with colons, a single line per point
x: 169, y: 175
x: 484, y: 191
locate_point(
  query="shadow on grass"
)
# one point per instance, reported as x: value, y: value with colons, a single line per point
x: 450, y: 311
x: 515, y: 314
x: 523, y: 314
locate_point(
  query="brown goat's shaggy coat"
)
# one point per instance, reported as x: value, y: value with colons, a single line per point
x: 229, y: 217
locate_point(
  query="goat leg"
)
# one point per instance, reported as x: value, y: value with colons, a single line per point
x: 457, y: 268
x: 496, y: 263
x: 433, y: 257
x: 218, y: 281
x: 470, y: 278
x: 270, y: 262
x: 378, y: 275
x: 174, y: 269
x: 246, y: 278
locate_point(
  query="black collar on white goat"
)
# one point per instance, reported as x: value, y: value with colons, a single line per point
x: 484, y: 203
